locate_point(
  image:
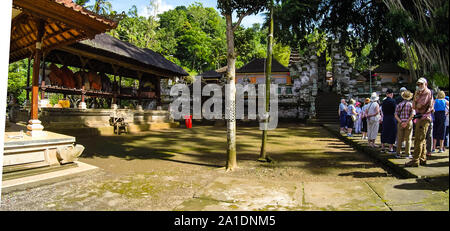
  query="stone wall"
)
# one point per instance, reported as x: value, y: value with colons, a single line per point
x: 79, y: 121
x: 305, y: 71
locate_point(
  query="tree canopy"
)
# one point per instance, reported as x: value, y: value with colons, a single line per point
x: 386, y: 27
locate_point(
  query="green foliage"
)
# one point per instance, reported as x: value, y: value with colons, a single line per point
x: 17, y: 80
x: 353, y: 24
x: 424, y: 24
x: 55, y: 97
x: 250, y: 43
x: 293, y: 20
x: 241, y: 7
x: 439, y: 79
x: 281, y: 53
x: 81, y: 2
x: 362, y: 62
x: 139, y: 31
x: 195, y: 36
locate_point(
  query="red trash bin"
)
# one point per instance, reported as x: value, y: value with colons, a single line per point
x: 188, y: 121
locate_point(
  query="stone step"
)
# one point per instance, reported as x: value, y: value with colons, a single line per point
x: 328, y: 114
x: 327, y: 119
x: 334, y: 113
x: 327, y: 111
x: 25, y: 171
x: 21, y: 167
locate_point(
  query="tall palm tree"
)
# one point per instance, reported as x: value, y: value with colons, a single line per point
x: 101, y: 7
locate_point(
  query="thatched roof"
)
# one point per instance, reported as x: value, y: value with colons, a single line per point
x: 258, y: 66
x: 390, y: 68
x: 210, y: 75
x: 107, y: 43
x: 107, y: 54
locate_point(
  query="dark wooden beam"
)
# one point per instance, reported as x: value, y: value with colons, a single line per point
x: 72, y: 18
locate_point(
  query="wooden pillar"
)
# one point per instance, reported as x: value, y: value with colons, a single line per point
x: 114, y: 101
x: 83, y: 88
x: 34, y: 125
x: 28, y: 79
x: 115, y: 89
x: 140, y: 88
x: 82, y: 104
x: 120, y: 86
x: 158, y: 91
x: 43, y: 78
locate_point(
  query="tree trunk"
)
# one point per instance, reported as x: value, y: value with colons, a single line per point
x: 263, y: 155
x: 231, y: 107
x: 410, y: 60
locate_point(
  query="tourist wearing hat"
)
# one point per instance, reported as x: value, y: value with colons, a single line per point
x: 351, y: 117
x: 364, y: 118
x: 389, y: 125
x: 399, y: 98
x: 342, y: 112
x: 404, y: 115
x: 423, y: 106
x: 373, y: 119
x: 439, y: 121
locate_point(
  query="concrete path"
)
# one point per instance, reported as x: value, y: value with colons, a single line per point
x: 181, y: 169
x: 225, y: 194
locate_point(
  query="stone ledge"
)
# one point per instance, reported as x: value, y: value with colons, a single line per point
x: 26, y: 182
x: 395, y: 165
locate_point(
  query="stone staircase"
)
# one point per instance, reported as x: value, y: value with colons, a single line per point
x: 326, y: 109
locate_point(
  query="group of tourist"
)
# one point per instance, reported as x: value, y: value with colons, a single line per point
x: 399, y: 118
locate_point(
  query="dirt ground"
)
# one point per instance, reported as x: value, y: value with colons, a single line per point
x: 158, y: 170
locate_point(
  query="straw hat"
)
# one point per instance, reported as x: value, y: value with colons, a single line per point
x: 407, y: 95
x: 367, y: 100
x: 352, y: 101
x: 374, y: 97
x: 441, y: 95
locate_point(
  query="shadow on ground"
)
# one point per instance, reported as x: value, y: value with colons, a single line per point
x: 309, y: 149
x: 437, y: 184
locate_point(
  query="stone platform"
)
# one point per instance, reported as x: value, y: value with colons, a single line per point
x: 22, y: 152
x: 437, y: 164
x: 94, y: 122
x: 45, y: 177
